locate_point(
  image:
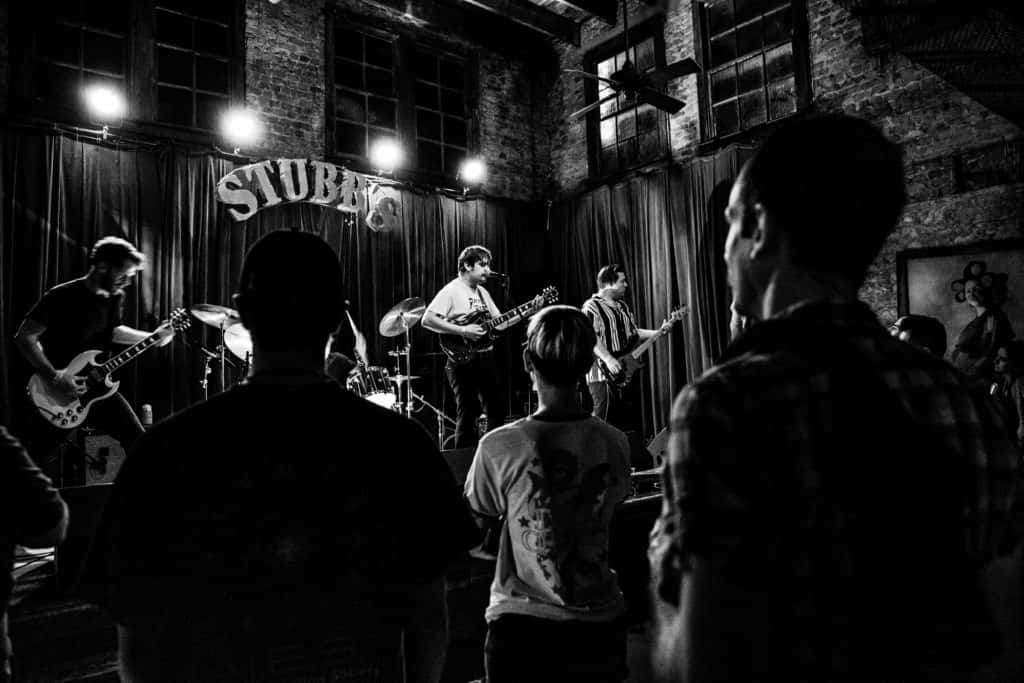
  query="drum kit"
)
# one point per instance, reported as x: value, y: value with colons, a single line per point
x: 374, y: 383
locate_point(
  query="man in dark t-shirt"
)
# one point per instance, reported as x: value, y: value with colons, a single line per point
x: 81, y: 315
x: 287, y: 541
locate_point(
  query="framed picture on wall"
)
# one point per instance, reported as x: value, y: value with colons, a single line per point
x: 929, y: 281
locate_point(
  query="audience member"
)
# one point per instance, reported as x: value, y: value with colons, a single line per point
x: 555, y: 612
x: 32, y: 514
x: 922, y: 331
x: 830, y: 494
x: 1009, y: 385
x: 285, y: 518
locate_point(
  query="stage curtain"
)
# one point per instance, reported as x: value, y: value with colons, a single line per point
x: 59, y: 194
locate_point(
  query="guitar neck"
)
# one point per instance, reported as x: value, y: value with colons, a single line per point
x: 507, y: 315
x: 133, y: 351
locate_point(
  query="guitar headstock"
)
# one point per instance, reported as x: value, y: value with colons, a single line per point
x: 179, y: 320
x: 677, y: 314
x: 549, y: 294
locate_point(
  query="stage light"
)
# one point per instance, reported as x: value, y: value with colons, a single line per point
x: 472, y: 171
x: 385, y: 155
x: 241, y: 128
x: 104, y: 102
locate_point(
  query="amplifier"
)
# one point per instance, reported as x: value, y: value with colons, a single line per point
x: 646, y: 482
x: 103, y: 458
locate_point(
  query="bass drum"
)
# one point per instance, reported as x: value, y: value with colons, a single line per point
x: 373, y: 384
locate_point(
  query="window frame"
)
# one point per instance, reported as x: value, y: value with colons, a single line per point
x: 406, y: 43
x: 801, y: 74
x: 652, y: 27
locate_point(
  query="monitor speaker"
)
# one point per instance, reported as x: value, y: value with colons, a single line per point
x: 658, y: 447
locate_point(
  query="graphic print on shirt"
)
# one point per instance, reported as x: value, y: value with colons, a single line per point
x: 562, y: 525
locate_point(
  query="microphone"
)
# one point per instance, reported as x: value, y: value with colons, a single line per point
x: 498, y: 276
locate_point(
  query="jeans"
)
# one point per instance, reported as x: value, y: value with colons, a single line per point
x: 472, y: 382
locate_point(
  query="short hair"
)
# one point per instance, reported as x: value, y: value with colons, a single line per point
x: 472, y: 255
x: 114, y: 251
x: 290, y: 290
x: 609, y: 275
x: 835, y: 185
x: 560, y: 344
x: 926, y: 331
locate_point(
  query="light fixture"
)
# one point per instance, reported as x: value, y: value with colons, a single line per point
x: 105, y: 103
x: 472, y: 171
x: 240, y: 127
x: 385, y: 155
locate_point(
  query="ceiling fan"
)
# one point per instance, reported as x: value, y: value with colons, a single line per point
x: 642, y: 86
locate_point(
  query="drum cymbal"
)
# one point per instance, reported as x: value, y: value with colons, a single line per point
x: 238, y: 341
x: 403, y: 316
x: 403, y: 378
x: 214, y: 315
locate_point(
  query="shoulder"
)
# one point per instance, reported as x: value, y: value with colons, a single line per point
x: 503, y: 442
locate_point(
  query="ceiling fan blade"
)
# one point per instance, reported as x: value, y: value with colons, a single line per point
x: 594, y: 77
x: 663, y: 74
x: 592, y: 106
x: 660, y: 100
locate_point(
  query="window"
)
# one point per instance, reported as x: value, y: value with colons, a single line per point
x: 389, y: 85
x: 179, y: 62
x: 193, y: 62
x: 756, y: 64
x: 624, y: 133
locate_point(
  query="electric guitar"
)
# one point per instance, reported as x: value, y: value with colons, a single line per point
x: 67, y: 412
x: 629, y: 358
x: 461, y: 350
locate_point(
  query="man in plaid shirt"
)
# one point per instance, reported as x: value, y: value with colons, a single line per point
x: 831, y: 493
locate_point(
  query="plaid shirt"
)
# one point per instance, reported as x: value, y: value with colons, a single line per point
x: 747, y: 485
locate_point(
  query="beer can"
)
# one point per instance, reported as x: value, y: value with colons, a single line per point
x: 147, y: 414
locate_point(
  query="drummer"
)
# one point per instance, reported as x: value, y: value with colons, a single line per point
x: 346, y: 349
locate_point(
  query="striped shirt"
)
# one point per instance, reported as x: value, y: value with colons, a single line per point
x: 805, y: 443
x: 615, y: 327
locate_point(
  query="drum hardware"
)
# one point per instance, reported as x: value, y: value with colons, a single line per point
x: 223, y: 318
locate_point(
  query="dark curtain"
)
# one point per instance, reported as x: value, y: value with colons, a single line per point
x: 60, y: 194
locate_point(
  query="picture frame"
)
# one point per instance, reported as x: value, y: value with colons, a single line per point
x: 924, y: 281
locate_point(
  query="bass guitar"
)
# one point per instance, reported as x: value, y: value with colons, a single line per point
x: 461, y: 350
x: 66, y: 411
x: 629, y: 358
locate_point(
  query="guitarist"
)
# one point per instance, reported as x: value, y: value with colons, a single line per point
x: 616, y: 332
x: 477, y: 379
x: 76, y: 316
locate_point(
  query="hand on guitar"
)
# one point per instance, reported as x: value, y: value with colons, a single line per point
x: 473, y: 332
x: 68, y: 384
x: 613, y: 365
x: 166, y: 335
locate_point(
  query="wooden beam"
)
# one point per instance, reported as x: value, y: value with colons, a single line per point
x: 532, y: 17
x: 602, y: 9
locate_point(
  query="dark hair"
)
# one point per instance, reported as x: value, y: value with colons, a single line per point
x: 560, y: 344
x: 289, y: 293
x: 835, y: 185
x: 472, y: 255
x: 114, y: 251
x: 925, y: 331
x: 994, y: 285
x: 609, y: 275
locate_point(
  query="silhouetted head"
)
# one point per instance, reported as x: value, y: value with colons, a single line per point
x: 559, y: 345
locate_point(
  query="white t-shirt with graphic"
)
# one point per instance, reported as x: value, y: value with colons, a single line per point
x: 557, y: 483
x: 457, y: 299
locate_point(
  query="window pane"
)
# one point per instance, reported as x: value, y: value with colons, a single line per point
x: 428, y: 156
x: 608, y: 131
x: 628, y: 152
x: 626, y: 124
x: 452, y: 103
x: 778, y: 26
x: 720, y: 17
x: 782, y: 98
x: 212, y: 74
x: 64, y: 45
x: 752, y: 109
x: 452, y: 75
x: 348, y: 74
x: 748, y: 38
x: 379, y: 81
x: 381, y: 112
x: 348, y: 44
x: 726, y: 119
x: 378, y: 52
x: 173, y: 28
x: 650, y: 145
x: 426, y: 67
x: 174, y: 106
x: 350, y: 106
x: 610, y: 159
x: 174, y: 66
x: 68, y: 9
x: 455, y: 131
x: 428, y: 125
x: 213, y: 39
x: 350, y: 139
x: 111, y: 15
x: 779, y: 62
x: 750, y: 74
x: 57, y: 83
x: 209, y: 109
x: 723, y: 84
x: 606, y: 68
x: 646, y: 120
x: 723, y: 49
x: 453, y: 157
x: 645, y: 54
x: 747, y: 9
x: 427, y: 96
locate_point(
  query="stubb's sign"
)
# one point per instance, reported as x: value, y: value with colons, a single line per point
x: 251, y: 188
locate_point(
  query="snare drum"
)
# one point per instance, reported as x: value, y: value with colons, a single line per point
x: 372, y: 383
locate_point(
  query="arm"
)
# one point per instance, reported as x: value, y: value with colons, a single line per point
x: 436, y: 323
x: 426, y: 633
x: 27, y: 341
x: 40, y: 516
x: 129, y: 335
